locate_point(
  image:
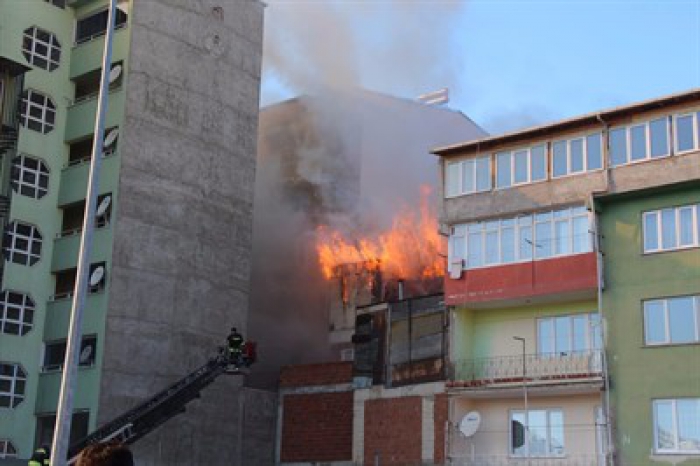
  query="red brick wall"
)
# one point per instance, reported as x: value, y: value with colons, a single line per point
x: 317, y: 427
x: 440, y: 417
x: 330, y: 373
x: 393, y: 430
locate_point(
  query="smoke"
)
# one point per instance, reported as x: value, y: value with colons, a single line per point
x: 405, y: 47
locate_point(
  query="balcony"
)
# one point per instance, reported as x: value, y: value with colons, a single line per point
x: 507, y: 460
x: 542, y: 371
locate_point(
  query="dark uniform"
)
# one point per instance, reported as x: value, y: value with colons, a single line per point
x: 235, y: 345
x: 41, y: 457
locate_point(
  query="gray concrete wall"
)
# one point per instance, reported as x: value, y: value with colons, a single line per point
x: 181, y: 258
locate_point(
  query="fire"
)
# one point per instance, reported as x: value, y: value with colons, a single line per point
x: 410, y: 249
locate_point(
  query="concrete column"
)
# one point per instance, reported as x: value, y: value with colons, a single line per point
x: 428, y: 429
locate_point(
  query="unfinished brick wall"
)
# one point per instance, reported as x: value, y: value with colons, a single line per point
x: 307, y: 375
x: 317, y: 427
x: 393, y: 431
x: 440, y: 417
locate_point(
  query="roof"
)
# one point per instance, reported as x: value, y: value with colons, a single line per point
x: 599, y: 117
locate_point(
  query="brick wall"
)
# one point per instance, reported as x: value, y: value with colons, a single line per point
x: 440, y: 418
x: 317, y: 427
x: 393, y: 430
x: 316, y: 374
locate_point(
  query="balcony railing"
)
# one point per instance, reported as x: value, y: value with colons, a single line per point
x: 549, y: 367
x: 506, y: 460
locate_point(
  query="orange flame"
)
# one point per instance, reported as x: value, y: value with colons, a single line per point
x: 410, y: 249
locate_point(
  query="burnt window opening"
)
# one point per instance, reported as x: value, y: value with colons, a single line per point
x: 16, y: 313
x: 45, y: 424
x: 87, y: 85
x: 95, y: 25
x: 80, y: 151
x: 29, y: 176
x: 55, y: 353
x: 65, y: 281
x: 22, y: 243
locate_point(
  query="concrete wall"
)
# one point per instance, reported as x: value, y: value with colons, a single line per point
x: 182, y: 239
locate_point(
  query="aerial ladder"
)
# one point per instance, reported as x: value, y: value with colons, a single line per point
x: 148, y: 415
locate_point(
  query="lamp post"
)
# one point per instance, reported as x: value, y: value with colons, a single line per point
x: 64, y: 414
x: 527, y: 412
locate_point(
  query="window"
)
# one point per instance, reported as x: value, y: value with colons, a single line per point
x: 37, y: 111
x: 577, y: 155
x: 677, y: 425
x: 41, y: 48
x: 46, y: 423
x: 570, y: 334
x: 7, y: 449
x: 55, y: 353
x: 29, y: 176
x: 638, y: 142
x: 547, y: 234
x: 16, y: 313
x: 81, y: 151
x: 537, y: 433
x: 22, y: 243
x: 468, y: 176
x: 687, y: 132
x: 13, y: 382
x: 672, y: 320
x: 87, y: 86
x: 95, y: 25
x: 521, y: 166
x: 671, y: 228
x: 65, y: 281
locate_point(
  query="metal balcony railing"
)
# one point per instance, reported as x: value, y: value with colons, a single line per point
x: 506, y: 460
x: 552, y: 367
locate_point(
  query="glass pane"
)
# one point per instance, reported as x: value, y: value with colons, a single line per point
x: 452, y: 182
x: 685, y: 221
x: 538, y: 163
x: 543, y: 240
x: 582, y: 238
x: 475, y: 250
x: 668, y: 228
x: 688, y: 424
x: 594, y: 152
x: 545, y: 336
x: 618, y: 146
x: 576, y: 149
x: 521, y: 169
x: 659, y: 137
x: 684, y: 133
x: 525, y: 243
x: 503, y: 172
x: 681, y: 317
x: 468, y: 176
x: 518, y: 422
x: 507, y: 245
x: 596, y: 330
x: 581, y: 333
x: 458, y: 244
x: 562, y: 235
x: 556, y: 433
x: 483, y: 174
x: 538, y: 433
x: 638, y: 142
x: 665, y: 433
x: 492, y: 247
x: 651, y: 233
x: 559, y: 164
x: 654, y: 322
x: 562, y: 327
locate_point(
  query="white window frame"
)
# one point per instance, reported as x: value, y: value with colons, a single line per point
x: 677, y: 220
x: 7, y: 449
x: 18, y: 375
x: 511, y: 157
x: 527, y: 415
x: 584, y: 139
x: 54, y: 44
x: 27, y: 305
x: 19, y: 167
x: 647, y: 141
x: 592, y: 324
x: 695, y: 115
x: 667, y: 321
x: 459, y: 167
x: 47, y: 107
x: 675, y: 450
x: 34, y: 236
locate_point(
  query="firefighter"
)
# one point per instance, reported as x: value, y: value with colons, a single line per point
x: 41, y: 456
x: 235, y: 346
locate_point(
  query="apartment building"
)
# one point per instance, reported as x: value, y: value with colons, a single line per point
x: 172, y: 244
x: 572, y: 285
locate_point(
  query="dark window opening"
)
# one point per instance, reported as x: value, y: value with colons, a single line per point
x: 45, y: 425
x: 96, y: 25
x: 73, y: 215
x: 88, y: 84
x: 55, y: 353
x: 81, y: 151
x: 65, y: 282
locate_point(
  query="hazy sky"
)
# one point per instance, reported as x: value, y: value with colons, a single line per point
x: 507, y: 63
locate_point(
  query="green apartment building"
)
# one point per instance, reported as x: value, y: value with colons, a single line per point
x: 174, y: 227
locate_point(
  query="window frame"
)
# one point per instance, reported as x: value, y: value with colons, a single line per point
x: 695, y: 208
x: 584, y: 138
x: 676, y: 450
x: 13, y: 394
x: 695, y: 131
x: 90, y: 38
x: 48, y: 107
x: 9, y: 250
x: 527, y: 454
x: 31, y: 55
x: 84, y: 341
x: 667, y: 321
x: 647, y: 141
x: 591, y: 338
x: 459, y: 166
x: 7, y: 449
x: 39, y: 174
x: 22, y: 310
x: 511, y: 157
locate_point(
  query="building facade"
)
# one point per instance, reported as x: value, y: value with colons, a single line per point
x: 173, y: 234
x: 550, y: 362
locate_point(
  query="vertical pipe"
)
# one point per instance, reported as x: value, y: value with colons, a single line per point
x: 59, y: 449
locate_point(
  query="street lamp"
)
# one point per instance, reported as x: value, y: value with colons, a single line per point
x: 527, y: 413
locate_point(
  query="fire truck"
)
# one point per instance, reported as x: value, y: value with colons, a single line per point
x: 145, y: 417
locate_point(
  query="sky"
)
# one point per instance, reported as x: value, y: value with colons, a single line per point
x: 508, y: 64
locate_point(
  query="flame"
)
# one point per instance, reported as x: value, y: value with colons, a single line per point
x: 410, y: 249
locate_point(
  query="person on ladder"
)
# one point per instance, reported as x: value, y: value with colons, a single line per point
x: 235, y: 347
x: 41, y: 456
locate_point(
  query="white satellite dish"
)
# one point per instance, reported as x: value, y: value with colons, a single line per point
x: 104, y: 205
x: 114, y: 73
x: 86, y: 353
x: 97, y: 275
x: 111, y: 137
x: 470, y: 423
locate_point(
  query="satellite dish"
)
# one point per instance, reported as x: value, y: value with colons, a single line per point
x: 104, y: 205
x: 111, y: 137
x: 470, y: 423
x: 86, y: 353
x: 97, y: 275
x: 114, y: 73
